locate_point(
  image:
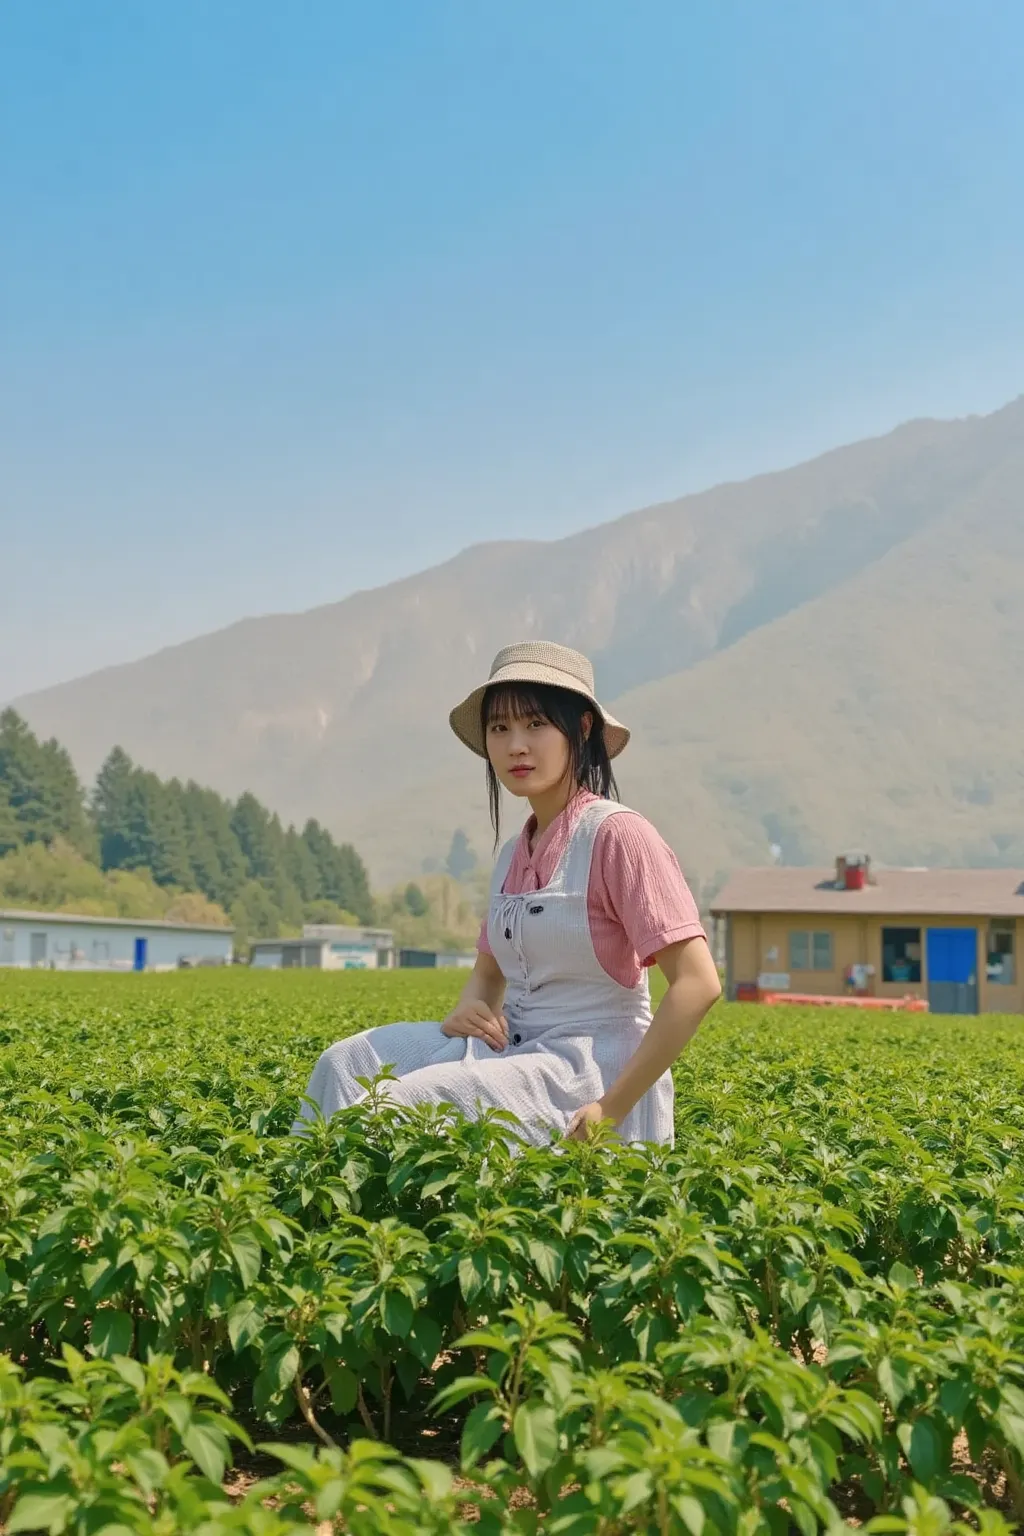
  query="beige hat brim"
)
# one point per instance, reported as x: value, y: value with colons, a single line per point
x: 465, y: 717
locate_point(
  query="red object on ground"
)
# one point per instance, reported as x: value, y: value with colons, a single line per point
x: 887, y: 1004
x: 747, y: 992
x: 856, y: 877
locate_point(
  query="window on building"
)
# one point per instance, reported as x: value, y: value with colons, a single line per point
x: 810, y: 951
x: 901, y: 955
x: 1001, y: 968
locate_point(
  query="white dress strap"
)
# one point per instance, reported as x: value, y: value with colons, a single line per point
x: 502, y: 866
x: 580, y: 853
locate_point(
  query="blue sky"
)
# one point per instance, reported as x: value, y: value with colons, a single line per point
x: 296, y: 299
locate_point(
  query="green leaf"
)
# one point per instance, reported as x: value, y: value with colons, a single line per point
x: 688, y: 1294
x: 441, y: 1181
x: 953, y: 1399
x: 1012, y: 1428
x: 396, y: 1313
x: 923, y: 1448
x: 722, y: 1436
x: 244, y: 1323
x: 547, y: 1261
x: 208, y: 1448
x: 636, y: 1490
x: 111, y: 1333
x: 299, y: 1457
x: 40, y: 1512
x: 148, y: 1468
x: 483, y: 1425
x: 408, y: 1370
x: 131, y: 1372
x: 650, y: 1329
x: 903, y: 1279
x: 344, y: 1387
x: 473, y: 1271
x: 535, y: 1431
x: 287, y: 1367
x: 425, y: 1339
x: 248, y: 1255
x: 280, y: 1369
x: 457, y: 1391
x: 977, y: 1431
x: 691, y: 1512
x: 435, y: 1478
x: 178, y: 1409
x: 893, y: 1381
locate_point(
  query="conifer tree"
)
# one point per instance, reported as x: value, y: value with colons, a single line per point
x: 43, y: 789
x: 156, y: 833
x: 218, y: 866
x: 259, y: 835
x: 111, y: 807
x: 10, y: 833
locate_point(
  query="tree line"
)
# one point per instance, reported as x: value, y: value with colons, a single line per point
x: 236, y: 853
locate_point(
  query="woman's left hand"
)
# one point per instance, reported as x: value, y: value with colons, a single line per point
x: 579, y: 1126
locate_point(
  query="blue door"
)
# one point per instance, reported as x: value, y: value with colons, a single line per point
x: 953, y: 970
x: 140, y: 955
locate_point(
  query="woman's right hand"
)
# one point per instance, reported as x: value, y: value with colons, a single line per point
x: 474, y: 1020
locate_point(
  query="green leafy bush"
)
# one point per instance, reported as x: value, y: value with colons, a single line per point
x: 811, y: 1309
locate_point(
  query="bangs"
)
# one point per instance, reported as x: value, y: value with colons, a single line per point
x: 514, y: 701
x: 587, y: 764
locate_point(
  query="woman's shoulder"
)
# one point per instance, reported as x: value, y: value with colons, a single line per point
x: 625, y: 833
x: 620, y: 818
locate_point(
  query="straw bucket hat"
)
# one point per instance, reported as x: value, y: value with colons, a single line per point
x: 535, y: 661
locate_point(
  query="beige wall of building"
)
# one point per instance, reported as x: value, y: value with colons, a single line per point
x: 759, y: 944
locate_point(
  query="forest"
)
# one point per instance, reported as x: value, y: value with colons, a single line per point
x: 137, y: 845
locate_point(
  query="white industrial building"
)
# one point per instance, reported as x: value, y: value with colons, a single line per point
x: 66, y: 941
x: 328, y: 947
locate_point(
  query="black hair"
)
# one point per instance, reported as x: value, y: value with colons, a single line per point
x: 589, y: 765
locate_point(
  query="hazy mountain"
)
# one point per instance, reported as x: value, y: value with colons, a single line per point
x: 832, y: 654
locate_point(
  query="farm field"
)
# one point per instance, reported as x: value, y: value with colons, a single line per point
x: 809, y: 1314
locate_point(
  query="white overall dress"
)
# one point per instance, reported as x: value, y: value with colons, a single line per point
x: 572, y: 1028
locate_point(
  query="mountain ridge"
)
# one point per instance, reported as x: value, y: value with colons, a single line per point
x: 340, y: 711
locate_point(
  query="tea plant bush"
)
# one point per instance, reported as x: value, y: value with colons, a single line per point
x: 810, y: 1311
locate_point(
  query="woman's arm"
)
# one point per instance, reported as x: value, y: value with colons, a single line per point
x: 693, y: 987
x: 485, y: 984
x: 477, y: 1012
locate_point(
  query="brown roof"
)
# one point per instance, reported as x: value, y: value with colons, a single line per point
x: 895, y: 892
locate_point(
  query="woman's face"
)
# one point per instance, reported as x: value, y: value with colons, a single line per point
x: 529, y: 755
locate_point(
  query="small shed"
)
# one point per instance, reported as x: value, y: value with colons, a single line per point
x: 326, y: 947
x: 436, y: 959
x: 950, y: 936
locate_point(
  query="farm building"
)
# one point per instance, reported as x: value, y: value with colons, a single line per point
x: 951, y: 937
x: 66, y: 941
x: 437, y: 959
x: 327, y: 947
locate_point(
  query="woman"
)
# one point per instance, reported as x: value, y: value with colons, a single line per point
x: 555, y: 1021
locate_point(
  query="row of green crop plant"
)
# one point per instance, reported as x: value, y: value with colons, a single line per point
x: 724, y: 1433
x: 331, y: 1279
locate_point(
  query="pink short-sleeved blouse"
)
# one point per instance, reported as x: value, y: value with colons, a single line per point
x: 637, y: 900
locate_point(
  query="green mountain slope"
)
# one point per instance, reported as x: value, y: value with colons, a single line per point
x: 827, y: 654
